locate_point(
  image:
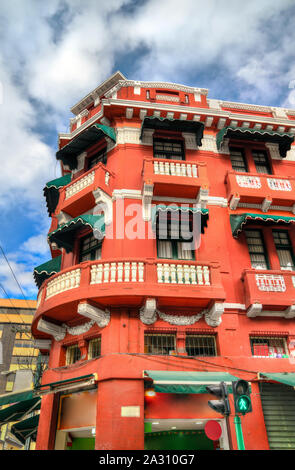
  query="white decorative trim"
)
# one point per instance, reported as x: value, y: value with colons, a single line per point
x: 63, y: 218
x: 181, y: 320
x: 290, y: 156
x: 148, y: 313
x: 254, y: 310
x: 290, y: 312
x: 101, y: 317
x: 126, y: 194
x: 266, y: 204
x: 175, y: 99
x: 157, y: 114
x: 169, y: 115
x: 142, y: 114
x: 217, y: 201
x: 209, y: 121
x: 209, y: 143
x: 270, y: 283
x: 78, y: 185
x: 224, y: 148
x: 128, y: 135
x: 159, y: 85
x: 58, y: 332
x: 246, y: 124
x: 279, y: 113
x: 269, y: 127
x: 214, y: 104
x: 129, y: 113
x: 80, y: 329
x: 190, y: 141
x: 245, y: 106
x: 221, y: 123
x: 202, y: 198
x: 80, y: 162
x: 257, y: 126
x: 233, y: 306
x: 214, y: 314
x: 273, y: 150
x: 258, y: 206
x: 233, y: 123
x: 105, y: 203
x: 147, y: 136
x: 147, y: 196
x: 234, y: 202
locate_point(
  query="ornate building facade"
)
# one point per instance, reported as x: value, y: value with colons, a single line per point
x: 172, y: 241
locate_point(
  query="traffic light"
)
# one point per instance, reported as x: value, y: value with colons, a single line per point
x: 220, y: 391
x: 241, y: 395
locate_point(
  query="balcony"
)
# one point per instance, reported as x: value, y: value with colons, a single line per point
x: 269, y: 291
x: 262, y: 189
x: 129, y: 281
x: 175, y: 177
x: 77, y: 197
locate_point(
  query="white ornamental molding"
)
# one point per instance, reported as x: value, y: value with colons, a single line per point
x: 254, y: 310
x: 245, y: 181
x: 270, y: 283
x: 274, y: 150
x: 214, y: 314
x: 181, y: 320
x: 101, y: 317
x: 182, y: 117
x: 234, y: 202
x: 209, y: 143
x: 147, y: 137
x: 80, y: 329
x: 190, y: 141
x: 80, y: 162
x: 202, y: 198
x: 63, y: 218
x: 224, y: 148
x: 58, y: 332
x: 291, y: 154
x: 148, y: 313
x: 265, y: 206
x: 174, y: 99
x: 290, y: 312
x: 278, y: 184
x: 104, y: 202
x: 147, y: 196
x: 128, y: 135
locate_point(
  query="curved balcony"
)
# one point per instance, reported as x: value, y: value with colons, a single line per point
x: 77, y: 197
x: 171, y: 177
x: 129, y: 281
x: 272, y: 291
x: 262, y: 189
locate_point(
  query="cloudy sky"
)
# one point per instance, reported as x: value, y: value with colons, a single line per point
x: 53, y: 53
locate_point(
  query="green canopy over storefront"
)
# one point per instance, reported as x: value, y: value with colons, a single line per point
x: 161, y: 208
x: 90, y: 136
x: 19, y: 410
x: 51, y: 191
x: 287, y: 378
x: 25, y: 429
x: 283, y: 139
x: 237, y: 221
x: 45, y: 270
x: 14, y: 397
x: 64, y: 235
x: 187, y: 381
x: 176, y: 125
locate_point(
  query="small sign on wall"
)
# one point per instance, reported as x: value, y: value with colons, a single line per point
x: 130, y: 411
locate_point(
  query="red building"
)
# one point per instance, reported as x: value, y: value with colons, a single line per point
x: 136, y: 317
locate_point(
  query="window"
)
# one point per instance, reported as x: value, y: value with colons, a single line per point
x: 268, y: 346
x: 94, y: 348
x: 284, y: 249
x: 159, y: 343
x: 261, y: 162
x: 172, y: 249
x: 238, y: 160
x: 73, y: 354
x: 257, y: 250
x: 90, y: 248
x: 200, y: 345
x: 100, y: 156
x: 170, y: 149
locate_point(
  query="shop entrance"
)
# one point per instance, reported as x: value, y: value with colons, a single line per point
x: 180, y: 434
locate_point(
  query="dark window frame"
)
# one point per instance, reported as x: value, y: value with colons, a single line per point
x: 200, y: 336
x: 286, y: 247
x: 256, y: 340
x: 91, y: 250
x: 266, y: 161
x: 175, y: 250
x: 162, y: 344
x: 97, y: 157
x: 242, y: 151
x: 162, y: 154
x: 265, y: 253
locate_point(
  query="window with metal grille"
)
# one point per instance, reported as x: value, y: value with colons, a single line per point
x: 257, y: 249
x: 268, y: 346
x: 94, y: 348
x: 200, y: 345
x: 100, y: 156
x: 284, y: 249
x: 159, y: 343
x: 261, y: 161
x: 73, y: 354
x: 238, y: 161
x: 170, y: 149
x: 172, y: 249
x: 90, y: 248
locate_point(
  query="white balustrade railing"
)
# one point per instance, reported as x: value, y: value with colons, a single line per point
x: 80, y: 184
x: 175, y: 169
x: 63, y: 282
x: 39, y: 299
x: 117, y: 272
x: 183, y: 274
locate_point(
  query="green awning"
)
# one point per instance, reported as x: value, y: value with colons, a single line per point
x: 287, y: 378
x: 25, y: 429
x: 66, y: 381
x: 237, y: 221
x: 68, y: 154
x: 55, y: 387
x: 51, y: 191
x: 14, y: 397
x: 186, y: 381
x: 176, y: 125
x: 19, y: 410
x: 64, y: 235
x: 45, y: 270
x: 283, y: 139
x: 173, y: 208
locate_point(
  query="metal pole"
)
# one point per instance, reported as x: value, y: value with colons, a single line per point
x: 239, y: 433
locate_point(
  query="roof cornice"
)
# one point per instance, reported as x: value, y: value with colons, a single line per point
x: 171, y: 86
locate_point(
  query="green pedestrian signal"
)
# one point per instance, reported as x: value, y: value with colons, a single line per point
x: 241, y: 395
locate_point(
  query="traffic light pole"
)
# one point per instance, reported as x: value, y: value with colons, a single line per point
x: 239, y: 433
